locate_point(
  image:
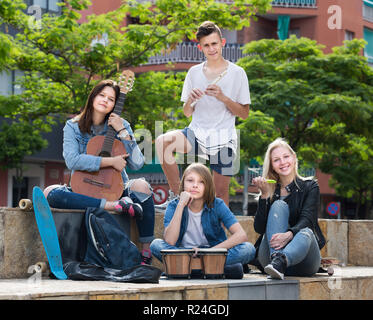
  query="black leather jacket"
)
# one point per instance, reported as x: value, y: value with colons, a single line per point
x: 303, y: 202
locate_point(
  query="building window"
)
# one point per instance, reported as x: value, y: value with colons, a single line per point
x: 41, y: 3
x: 295, y: 32
x: 368, y: 50
x: 53, y: 5
x: 8, y: 78
x: 349, y: 35
x: 7, y: 82
x: 20, y: 190
x: 47, y: 5
x: 368, y: 10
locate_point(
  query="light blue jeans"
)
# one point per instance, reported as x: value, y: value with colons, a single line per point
x: 241, y: 253
x: 302, y: 252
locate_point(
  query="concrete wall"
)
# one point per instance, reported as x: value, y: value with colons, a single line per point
x: 351, y: 241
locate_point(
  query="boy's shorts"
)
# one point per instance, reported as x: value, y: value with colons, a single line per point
x: 221, y: 162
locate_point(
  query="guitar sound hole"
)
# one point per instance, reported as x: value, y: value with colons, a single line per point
x: 104, y: 154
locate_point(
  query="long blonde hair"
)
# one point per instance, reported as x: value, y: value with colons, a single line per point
x: 268, y: 171
x: 205, y: 174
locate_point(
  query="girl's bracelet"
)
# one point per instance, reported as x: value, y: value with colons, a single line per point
x: 118, y: 132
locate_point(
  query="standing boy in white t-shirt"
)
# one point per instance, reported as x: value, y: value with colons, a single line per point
x: 214, y: 93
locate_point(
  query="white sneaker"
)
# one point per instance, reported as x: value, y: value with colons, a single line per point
x: 276, y: 269
x: 162, y: 207
x: 273, y: 273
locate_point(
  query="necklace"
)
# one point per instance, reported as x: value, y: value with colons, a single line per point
x: 219, y: 71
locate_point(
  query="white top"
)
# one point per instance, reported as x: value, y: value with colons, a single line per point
x: 212, y: 122
x: 194, y: 236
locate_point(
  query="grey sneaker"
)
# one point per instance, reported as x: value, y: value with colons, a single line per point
x: 162, y: 207
x: 276, y: 269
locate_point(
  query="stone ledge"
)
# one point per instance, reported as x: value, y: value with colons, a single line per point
x: 347, y: 283
x: 354, y: 283
x: 20, y: 247
x: 360, y: 242
x: 263, y: 289
x: 351, y: 241
x: 20, y: 242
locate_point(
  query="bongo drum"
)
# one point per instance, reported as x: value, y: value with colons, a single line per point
x: 213, y: 261
x: 177, y: 262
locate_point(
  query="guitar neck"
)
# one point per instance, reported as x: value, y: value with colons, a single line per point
x: 111, y: 133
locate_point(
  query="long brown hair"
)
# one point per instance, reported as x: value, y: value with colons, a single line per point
x: 205, y: 174
x: 85, y: 117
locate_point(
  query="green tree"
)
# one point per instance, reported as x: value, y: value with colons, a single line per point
x: 62, y: 57
x: 321, y: 103
x: 65, y: 56
x: 351, y: 166
x: 156, y: 97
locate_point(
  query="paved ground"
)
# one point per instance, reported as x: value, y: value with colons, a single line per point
x: 45, y: 288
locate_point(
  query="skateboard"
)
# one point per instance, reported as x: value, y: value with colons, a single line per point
x: 48, y: 233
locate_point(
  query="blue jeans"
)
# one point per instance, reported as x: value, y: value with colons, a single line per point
x: 302, y: 252
x: 64, y: 198
x: 241, y: 253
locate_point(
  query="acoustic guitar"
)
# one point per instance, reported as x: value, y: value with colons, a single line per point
x: 106, y: 183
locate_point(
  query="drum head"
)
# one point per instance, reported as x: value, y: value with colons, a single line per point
x: 177, y: 251
x: 213, y: 251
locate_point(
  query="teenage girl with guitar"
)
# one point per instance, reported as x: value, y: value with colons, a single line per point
x: 100, y: 117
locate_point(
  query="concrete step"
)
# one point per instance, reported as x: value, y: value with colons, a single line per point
x: 348, y: 283
x: 350, y: 241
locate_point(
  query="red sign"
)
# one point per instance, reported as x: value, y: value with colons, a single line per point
x: 159, y: 195
x: 333, y: 208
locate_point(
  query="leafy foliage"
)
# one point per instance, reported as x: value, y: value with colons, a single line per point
x: 321, y: 103
x: 63, y: 56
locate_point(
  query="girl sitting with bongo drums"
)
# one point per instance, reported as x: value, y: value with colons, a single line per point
x: 194, y: 220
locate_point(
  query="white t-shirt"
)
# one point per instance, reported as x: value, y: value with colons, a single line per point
x: 194, y: 236
x: 212, y: 122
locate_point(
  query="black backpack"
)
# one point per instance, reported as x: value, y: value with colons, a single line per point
x: 107, y: 244
x: 105, y: 252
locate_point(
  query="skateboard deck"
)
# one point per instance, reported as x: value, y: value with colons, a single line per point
x: 48, y: 233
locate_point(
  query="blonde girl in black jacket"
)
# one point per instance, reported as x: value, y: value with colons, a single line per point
x: 286, y: 216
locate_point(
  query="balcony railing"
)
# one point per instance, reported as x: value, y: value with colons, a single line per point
x: 282, y: 3
x: 189, y: 52
x: 286, y: 3
x: 294, y: 3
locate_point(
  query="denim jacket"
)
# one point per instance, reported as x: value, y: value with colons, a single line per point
x: 75, y: 146
x: 211, y: 220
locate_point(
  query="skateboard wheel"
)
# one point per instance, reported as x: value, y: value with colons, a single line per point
x: 42, y: 266
x: 330, y: 271
x: 25, y: 204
